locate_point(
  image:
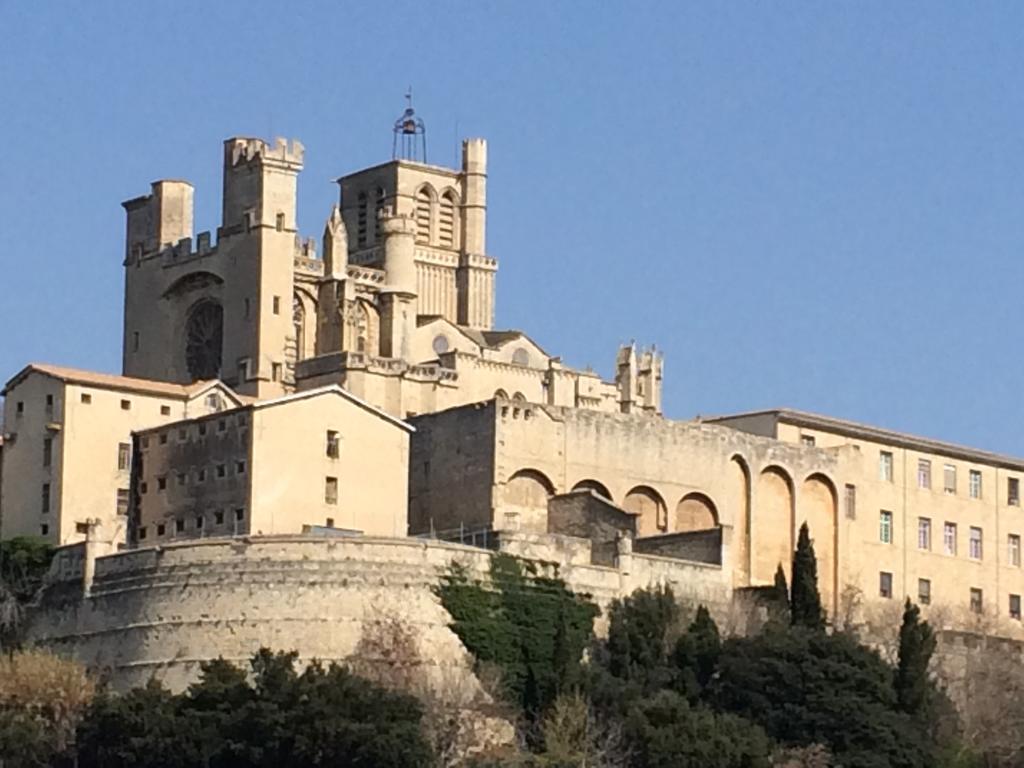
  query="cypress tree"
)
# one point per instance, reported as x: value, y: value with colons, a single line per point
x: 805, y: 602
x: 917, y: 643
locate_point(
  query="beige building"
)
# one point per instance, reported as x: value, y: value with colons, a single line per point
x: 316, y: 459
x: 67, y: 446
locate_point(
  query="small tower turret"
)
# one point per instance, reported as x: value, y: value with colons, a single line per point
x: 335, y: 246
x: 398, y: 296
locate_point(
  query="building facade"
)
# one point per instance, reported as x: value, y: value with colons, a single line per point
x: 317, y: 459
x: 67, y: 446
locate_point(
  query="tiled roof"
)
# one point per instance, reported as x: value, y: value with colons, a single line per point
x: 105, y: 381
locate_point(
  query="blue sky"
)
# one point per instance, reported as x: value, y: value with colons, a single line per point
x: 814, y: 205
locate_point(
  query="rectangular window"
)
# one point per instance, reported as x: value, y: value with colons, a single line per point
x: 142, y: 532
x: 46, y: 498
x: 161, y: 529
x: 924, y: 533
x: 885, y: 527
x: 20, y: 408
x: 885, y: 466
x: 924, y: 591
x: 163, y: 438
x: 239, y: 467
x: 143, y: 487
x: 122, y: 501
x: 222, y: 425
x: 161, y: 483
x: 851, y: 501
x: 49, y: 405
x: 332, y: 444
x: 949, y: 538
x: 976, y: 597
x: 124, y: 456
x: 179, y: 525
x: 275, y: 371
x: 949, y: 478
x: 277, y: 305
x: 974, y: 483
x: 44, y: 529
x: 885, y: 584
x: 807, y: 440
x: 239, y: 514
x: 331, y: 490
x: 222, y: 470
x: 218, y: 517
x: 924, y: 473
x: 974, y: 546
x: 165, y: 410
x: 330, y: 522
x: 182, y: 434
x: 248, y: 308
x: 47, y: 451
x: 86, y: 398
x: 202, y: 430
x: 1013, y: 549
x: 1013, y: 492
x: 201, y: 476
x: 1015, y: 607
x: 126, y: 405
x: 199, y: 522
x: 182, y: 478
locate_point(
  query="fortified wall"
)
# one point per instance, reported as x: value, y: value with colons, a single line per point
x: 162, y: 611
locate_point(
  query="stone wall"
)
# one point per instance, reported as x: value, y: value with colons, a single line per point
x: 701, y: 546
x: 588, y: 515
x: 162, y: 611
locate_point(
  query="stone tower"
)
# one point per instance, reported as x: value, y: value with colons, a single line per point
x: 200, y: 311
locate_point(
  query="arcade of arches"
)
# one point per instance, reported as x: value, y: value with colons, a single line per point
x: 760, y: 541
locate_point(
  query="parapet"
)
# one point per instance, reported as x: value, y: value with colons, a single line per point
x: 243, y: 150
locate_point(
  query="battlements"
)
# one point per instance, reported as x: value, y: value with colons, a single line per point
x: 242, y: 149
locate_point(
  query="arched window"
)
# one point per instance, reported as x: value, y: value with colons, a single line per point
x: 521, y: 357
x: 379, y: 211
x: 424, y: 206
x: 361, y: 219
x: 446, y: 222
x: 299, y: 326
x: 204, y: 333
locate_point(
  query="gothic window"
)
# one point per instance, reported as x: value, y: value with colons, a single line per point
x: 446, y: 219
x: 424, y: 204
x: 361, y: 216
x: 204, y: 332
x: 379, y: 211
x: 299, y: 325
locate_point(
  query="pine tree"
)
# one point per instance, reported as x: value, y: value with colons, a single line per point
x: 805, y: 602
x: 780, y: 596
x: 917, y: 643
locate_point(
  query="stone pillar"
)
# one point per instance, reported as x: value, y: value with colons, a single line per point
x: 398, y: 296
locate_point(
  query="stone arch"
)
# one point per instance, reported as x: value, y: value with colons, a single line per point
x: 521, y: 357
x: 519, y: 397
x: 524, y: 499
x: 772, y: 524
x: 426, y: 202
x: 448, y: 219
x: 649, y: 506
x: 362, y: 328
x: 817, y: 507
x: 593, y: 485
x: 695, y: 512
x: 501, y: 394
x: 193, y: 281
x: 304, y: 315
x: 740, y: 487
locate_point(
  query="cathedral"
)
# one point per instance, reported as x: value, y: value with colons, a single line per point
x: 356, y: 387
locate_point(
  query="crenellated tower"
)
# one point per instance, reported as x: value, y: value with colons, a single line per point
x: 202, y: 310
